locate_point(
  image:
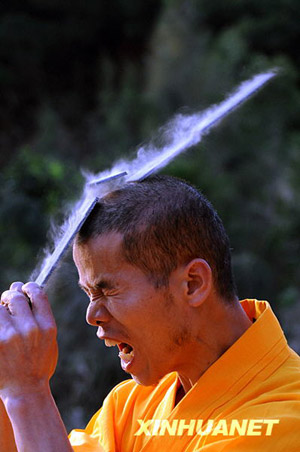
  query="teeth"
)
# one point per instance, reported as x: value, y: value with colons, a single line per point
x: 126, y: 357
x: 110, y: 343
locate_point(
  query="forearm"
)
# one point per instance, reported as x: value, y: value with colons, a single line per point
x: 36, y: 423
x: 7, y: 440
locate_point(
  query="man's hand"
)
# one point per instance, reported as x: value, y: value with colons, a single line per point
x: 28, y: 348
x: 28, y: 356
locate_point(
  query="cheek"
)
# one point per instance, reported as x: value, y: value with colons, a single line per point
x: 145, y: 314
x: 182, y: 336
x: 175, y: 323
x: 125, y: 310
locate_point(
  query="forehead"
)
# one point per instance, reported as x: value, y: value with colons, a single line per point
x: 99, y: 255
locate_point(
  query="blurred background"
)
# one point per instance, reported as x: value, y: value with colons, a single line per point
x: 84, y: 83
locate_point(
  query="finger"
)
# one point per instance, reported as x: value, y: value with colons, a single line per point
x: 40, y: 305
x: 2, y: 301
x: 8, y: 295
x: 17, y: 303
x: 21, y: 314
x: 17, y: 286
x: 3, y: 296
x: 7, y: 329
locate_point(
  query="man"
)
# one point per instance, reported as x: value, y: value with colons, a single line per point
x: 208, y: 373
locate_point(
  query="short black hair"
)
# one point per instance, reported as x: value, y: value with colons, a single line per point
x: 165, y: 222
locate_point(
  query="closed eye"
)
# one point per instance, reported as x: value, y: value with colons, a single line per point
x: 108, y: 293
x: 103, y: 289
x: 96, y: 296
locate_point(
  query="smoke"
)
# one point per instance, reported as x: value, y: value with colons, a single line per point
x: 179, y: 134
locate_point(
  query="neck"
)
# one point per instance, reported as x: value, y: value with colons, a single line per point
x: 219, y: 325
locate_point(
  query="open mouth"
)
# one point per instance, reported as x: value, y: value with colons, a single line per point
x: 125, y: 350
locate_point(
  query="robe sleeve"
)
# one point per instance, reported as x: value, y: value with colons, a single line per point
x: 87, y: 440
x: 98, y: 436
x: 101, y: 433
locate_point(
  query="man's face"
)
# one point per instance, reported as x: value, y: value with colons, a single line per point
x: 148, y: 324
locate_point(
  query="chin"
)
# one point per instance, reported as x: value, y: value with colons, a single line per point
x: 146, y: 381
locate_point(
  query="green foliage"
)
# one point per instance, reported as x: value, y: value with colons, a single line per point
x: 33, y: 186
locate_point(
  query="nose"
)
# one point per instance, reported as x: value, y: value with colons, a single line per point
x: 97, y: 314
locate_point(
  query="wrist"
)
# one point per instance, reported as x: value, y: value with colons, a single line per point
x: 35, y: 420
x: 20, y: 399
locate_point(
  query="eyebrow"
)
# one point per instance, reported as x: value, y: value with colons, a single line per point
x: 102, y: 284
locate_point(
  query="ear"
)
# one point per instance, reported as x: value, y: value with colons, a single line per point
x: 198, y: 281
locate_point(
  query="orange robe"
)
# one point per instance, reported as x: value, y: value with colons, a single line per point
x: 248, y: 400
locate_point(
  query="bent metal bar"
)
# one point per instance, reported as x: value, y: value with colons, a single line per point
x: 198, y: 125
